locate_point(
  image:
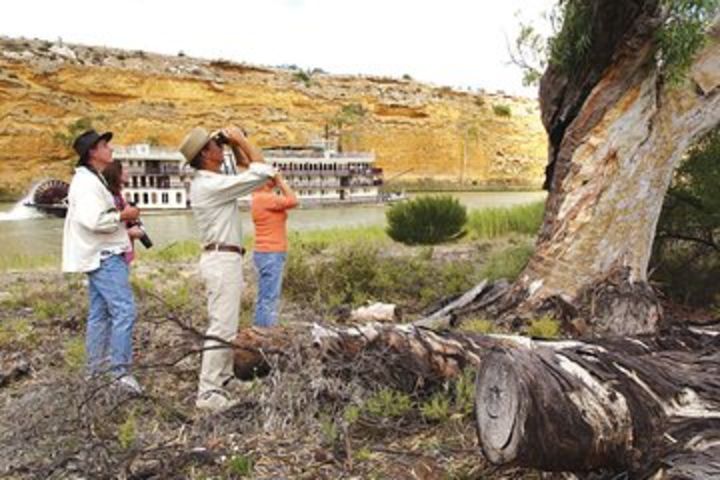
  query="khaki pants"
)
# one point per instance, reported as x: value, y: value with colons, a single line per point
x: 222, y: 273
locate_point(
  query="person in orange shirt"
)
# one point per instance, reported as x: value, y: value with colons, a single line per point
x: 269, y: 214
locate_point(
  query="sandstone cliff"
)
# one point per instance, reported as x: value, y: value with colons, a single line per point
x: 48, y: 90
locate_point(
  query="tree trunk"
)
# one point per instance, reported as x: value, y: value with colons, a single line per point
x: 616, y: 134
x: 625, y: 404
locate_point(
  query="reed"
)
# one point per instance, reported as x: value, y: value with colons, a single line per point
x: 496, y: 222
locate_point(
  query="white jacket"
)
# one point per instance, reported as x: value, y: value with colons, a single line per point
x: 92, y: 224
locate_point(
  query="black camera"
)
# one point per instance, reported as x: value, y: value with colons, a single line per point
x: 145, y: 239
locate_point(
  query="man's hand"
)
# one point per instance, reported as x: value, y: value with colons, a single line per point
x: 236, y: 136
x: 135, y: 232
x: 245, y: 153
x: 128, y: 214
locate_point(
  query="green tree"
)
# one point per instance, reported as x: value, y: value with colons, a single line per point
x: 686, y: 254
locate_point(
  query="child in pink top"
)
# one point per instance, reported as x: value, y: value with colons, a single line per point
x: 116, y: 177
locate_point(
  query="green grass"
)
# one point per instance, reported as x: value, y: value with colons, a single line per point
x: 544, y: 327
x: 508, y: 263
x: 174, y: 252
x: 338, y: 236
x: 495, y: 222
x: 74, y: 353
x: 18, y: 333
x: 19, y: 262
x: 239, y: 466
x: 478, y: 325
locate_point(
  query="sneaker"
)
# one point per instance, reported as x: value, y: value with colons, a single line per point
x: 235, y: 386
x: 214, y: 401
x: 129, y: 384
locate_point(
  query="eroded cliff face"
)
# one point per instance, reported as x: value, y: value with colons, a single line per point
x: 428, y: 132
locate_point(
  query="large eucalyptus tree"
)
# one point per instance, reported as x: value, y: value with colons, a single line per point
x: 629, y: 86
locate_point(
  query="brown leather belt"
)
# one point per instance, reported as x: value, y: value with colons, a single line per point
x: 220, y: 247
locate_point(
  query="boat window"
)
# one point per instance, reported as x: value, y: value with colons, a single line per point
x: 165, y: 198
x: 153, y: 196
x: 178, y: 198
x: 145, y: 198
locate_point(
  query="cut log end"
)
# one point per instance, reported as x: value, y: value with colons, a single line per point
x: 497, y: 410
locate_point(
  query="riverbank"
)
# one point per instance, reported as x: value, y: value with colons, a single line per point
x: 298, y: 422
x: 29, y: 241
x: 431, y: 185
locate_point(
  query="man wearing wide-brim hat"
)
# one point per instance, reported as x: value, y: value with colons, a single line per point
x: 95, y: 239
x: 214, y: 200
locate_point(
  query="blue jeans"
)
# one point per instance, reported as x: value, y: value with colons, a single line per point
x: 269, y: 267
x: 110, y: 319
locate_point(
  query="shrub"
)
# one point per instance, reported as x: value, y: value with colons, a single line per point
x: 426, y: 220
x: 355, y: 272
x: 502, y: 110
x: 304, y: 77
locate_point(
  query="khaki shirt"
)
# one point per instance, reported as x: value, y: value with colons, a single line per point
x: 213, y: 197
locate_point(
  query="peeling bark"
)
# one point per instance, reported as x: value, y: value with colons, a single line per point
x: 624, y: 404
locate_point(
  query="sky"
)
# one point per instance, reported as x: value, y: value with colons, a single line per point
x: 459, y: 43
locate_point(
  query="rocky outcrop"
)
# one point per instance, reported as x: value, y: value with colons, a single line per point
x: 50, y: 90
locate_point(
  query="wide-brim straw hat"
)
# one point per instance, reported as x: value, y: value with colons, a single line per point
x: 194, y: 142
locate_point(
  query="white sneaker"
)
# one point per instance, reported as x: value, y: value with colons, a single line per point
x: 214, y: 401
x: 130, y: 384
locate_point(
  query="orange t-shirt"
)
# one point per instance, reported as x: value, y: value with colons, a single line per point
x: 269, y: 214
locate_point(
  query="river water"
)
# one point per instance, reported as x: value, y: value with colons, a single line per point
x: 23, y: 232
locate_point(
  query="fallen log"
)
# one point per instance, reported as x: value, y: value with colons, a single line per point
x: 403, y: 356
x: 643, y: 405
x: 627, y: 404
